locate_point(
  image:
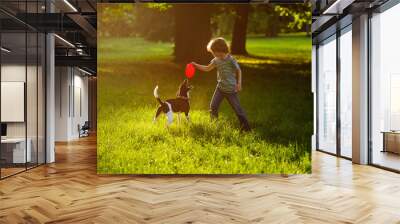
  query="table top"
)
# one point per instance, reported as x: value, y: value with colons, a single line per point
x: 13, y: 140
x: 391, y: 132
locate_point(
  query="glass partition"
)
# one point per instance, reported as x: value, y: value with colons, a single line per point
x: 385, y: 89
x: 14, y: 151
x: 22, y: 89
x: 327, y: 95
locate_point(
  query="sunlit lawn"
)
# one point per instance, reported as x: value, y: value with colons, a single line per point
x: 284, y: 48
x: 293, y: 48
x: 276, y: 97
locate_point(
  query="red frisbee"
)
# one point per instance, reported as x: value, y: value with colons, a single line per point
x: 190, y: 70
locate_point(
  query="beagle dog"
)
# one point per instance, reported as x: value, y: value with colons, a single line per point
x: 180, y: 104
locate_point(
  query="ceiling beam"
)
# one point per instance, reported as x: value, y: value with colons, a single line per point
x: 84, y: 24
x: 77, y: 61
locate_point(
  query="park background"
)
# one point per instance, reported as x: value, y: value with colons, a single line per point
x: 141, y: 45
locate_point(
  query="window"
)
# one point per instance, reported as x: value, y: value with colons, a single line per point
x: 346, y: 92
x: 385, y: 89
x: 327, y: 95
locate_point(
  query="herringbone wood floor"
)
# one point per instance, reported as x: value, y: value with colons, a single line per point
x: 69, y: 191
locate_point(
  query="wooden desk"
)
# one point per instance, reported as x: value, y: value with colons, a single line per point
x: 391, y: 141
x: 13, y: 150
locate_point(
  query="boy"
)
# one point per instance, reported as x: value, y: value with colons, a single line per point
x: 229, y: 77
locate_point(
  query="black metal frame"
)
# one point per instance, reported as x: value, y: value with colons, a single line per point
x: 44, y: 73
x: 338, y: 98
x: 316, y: 97
x: 369, y: 81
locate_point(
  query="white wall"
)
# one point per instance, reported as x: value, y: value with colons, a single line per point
x: 80, y: 102
x: 33, y: 126
x: 71, y: 87
x: 12, y: 73
x: 62, y: 82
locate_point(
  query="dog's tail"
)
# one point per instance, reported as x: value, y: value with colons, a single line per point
x: 155, y: 92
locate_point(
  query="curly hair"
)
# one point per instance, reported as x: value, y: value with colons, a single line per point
x: 218, y: 44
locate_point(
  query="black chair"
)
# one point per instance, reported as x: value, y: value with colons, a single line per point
x: 84, y: 130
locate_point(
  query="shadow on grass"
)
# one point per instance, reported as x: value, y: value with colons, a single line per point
x: 229, y: 133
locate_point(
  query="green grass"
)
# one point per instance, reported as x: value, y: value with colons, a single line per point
x: 276, y: 97
x: 294, y: 48
x: 122, y: 49
x: 291, y: 48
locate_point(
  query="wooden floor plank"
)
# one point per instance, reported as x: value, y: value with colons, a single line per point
x: 70, y: 191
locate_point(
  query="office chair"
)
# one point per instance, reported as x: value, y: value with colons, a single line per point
x: 84, y: 130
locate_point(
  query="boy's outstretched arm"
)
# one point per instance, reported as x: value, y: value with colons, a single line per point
x: 204, y: 68
x: 239, y: 80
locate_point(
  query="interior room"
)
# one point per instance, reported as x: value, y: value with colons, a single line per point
x: 22, y: 100
x: 44, y: 81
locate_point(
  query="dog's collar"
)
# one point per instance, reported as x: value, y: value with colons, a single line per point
x: 183, y: 97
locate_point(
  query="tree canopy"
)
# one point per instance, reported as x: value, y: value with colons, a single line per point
x: 154, y: 21
x: 190, y: 26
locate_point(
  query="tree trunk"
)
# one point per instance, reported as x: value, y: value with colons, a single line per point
x: 273, y: 23
x: 192, y: 32
x: 238, y: 45
x: 273, y: 26
x: 308, y: 30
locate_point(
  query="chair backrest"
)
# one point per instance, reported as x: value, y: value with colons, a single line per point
x: 86, y: 125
